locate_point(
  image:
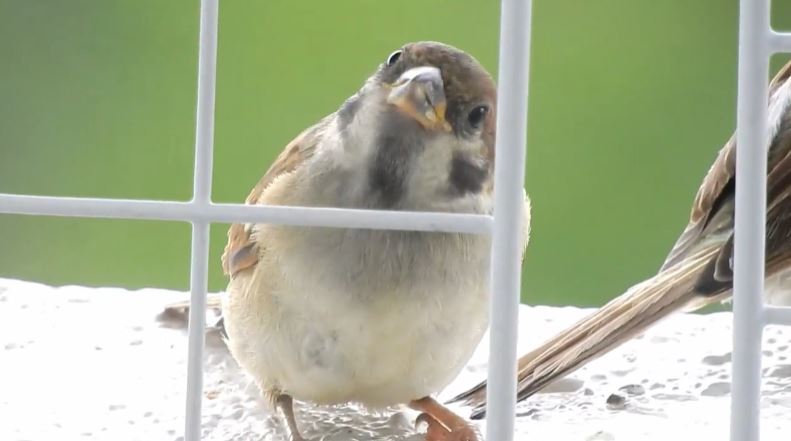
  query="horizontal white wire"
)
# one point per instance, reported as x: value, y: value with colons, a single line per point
x: 776, y: 315
x: 195, y: 211
x: 779, y: 42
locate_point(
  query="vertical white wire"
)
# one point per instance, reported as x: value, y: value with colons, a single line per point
x: 207, y: 74
x: 508, y: 204
x: 199, y: 267
x: 204, y: 137
x: 750, y: 218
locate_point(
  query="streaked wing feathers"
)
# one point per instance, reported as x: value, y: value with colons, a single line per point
x: 241, y: 251
x: 716, y: 187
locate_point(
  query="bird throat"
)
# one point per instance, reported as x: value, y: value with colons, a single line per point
x: 390, y: 167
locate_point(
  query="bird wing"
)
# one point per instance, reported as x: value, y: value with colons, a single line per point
x: 718, y: 186
x: 241, y: 251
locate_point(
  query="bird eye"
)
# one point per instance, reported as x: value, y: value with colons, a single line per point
x: 393, y: 58
x: 477, y: 115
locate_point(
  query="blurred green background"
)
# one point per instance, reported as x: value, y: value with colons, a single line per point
x: 630, y: 101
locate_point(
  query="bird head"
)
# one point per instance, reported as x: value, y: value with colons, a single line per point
x: 424, y: 124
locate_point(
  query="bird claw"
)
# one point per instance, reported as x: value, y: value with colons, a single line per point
x: 436, y: 431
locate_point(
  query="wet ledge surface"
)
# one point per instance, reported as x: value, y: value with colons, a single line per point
x: 101, y: 363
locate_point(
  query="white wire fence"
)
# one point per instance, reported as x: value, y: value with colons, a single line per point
x: 201, y: 212
x: 757, y: 42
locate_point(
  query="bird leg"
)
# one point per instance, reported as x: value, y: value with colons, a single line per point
x: 443, y: 425
x: 286, y: 405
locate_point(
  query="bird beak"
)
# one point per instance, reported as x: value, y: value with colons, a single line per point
x: 420, y: 94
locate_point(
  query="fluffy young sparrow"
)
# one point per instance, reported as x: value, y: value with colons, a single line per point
x: 375, y: 317
x: 697, y: 272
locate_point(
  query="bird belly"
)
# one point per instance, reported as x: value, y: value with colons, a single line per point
x: 386, y: 354
x: 330, y: 347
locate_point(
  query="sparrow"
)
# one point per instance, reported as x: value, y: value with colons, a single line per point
x: 379, y: 318
x: 697, y: 272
